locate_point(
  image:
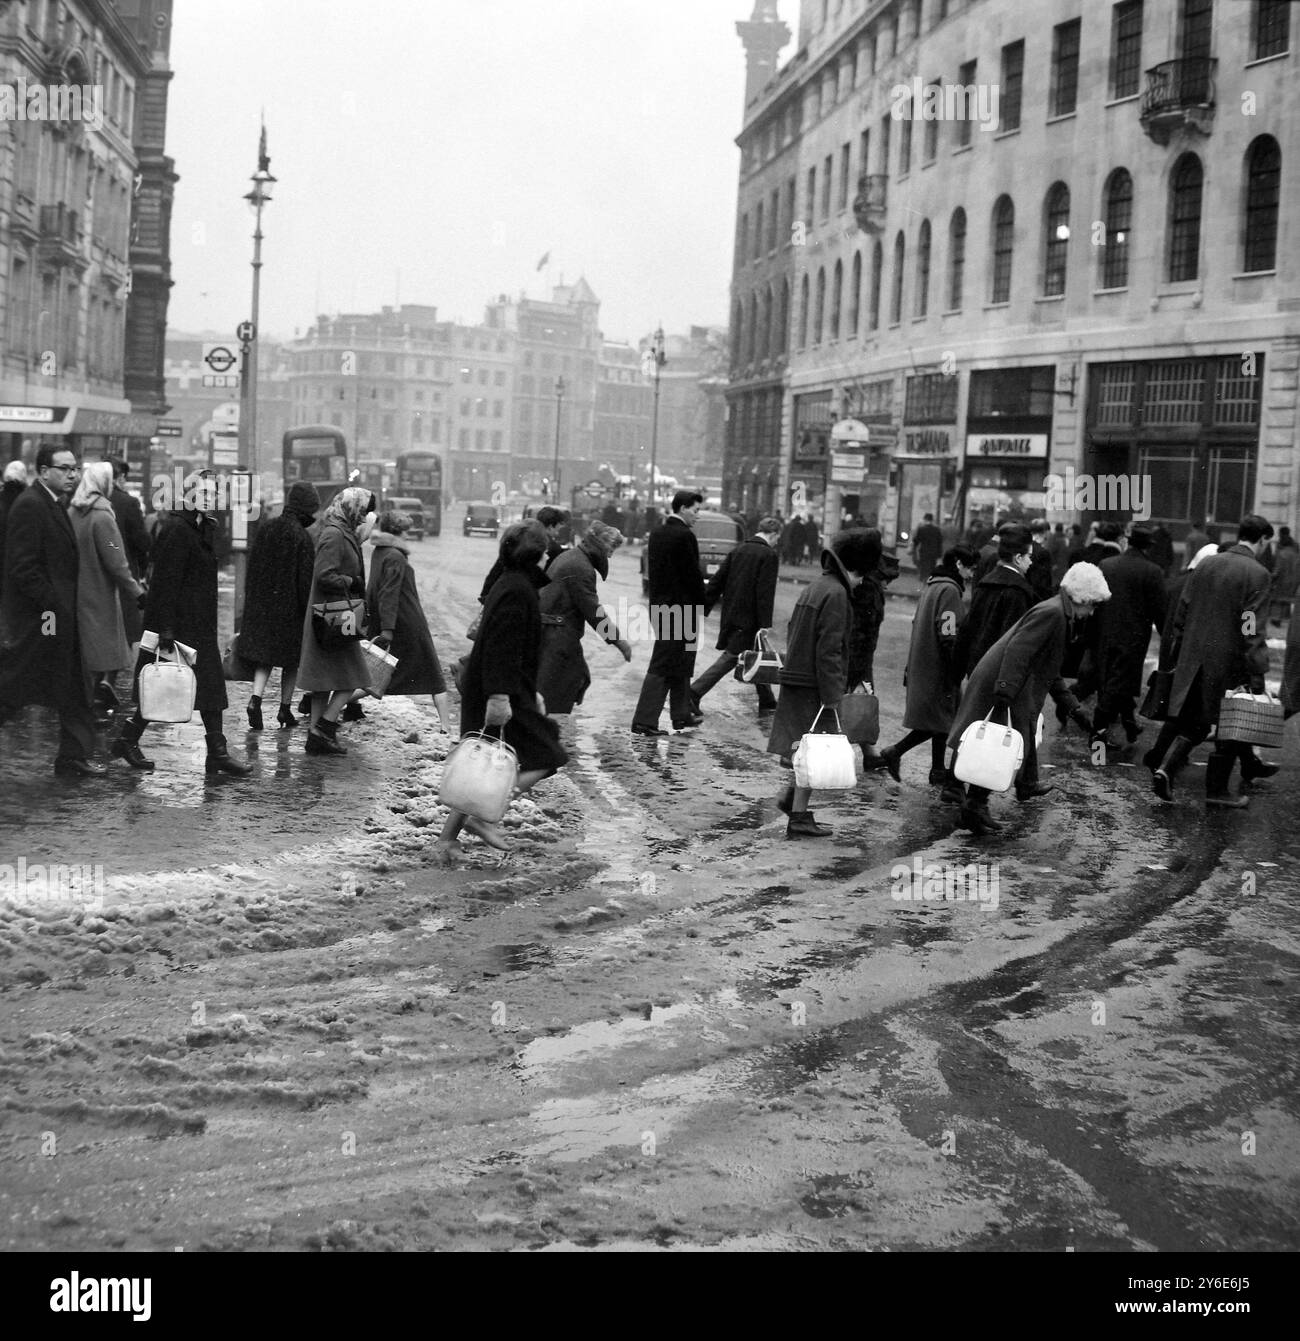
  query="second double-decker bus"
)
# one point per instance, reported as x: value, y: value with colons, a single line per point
x: 317, y: 453
x: 419, y: 475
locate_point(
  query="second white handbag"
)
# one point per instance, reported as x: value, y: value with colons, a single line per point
x: 989, y: 755
x: 167, y: 691
x: 479, y: 777
x: 825, y: 762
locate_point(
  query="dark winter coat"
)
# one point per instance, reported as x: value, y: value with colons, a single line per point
x: 1286, y: 572
x: 675, y: 584
x: 504, y: 660
x: 570, y: 597
x: 1291, y: 670
x: 393, y: 605
x: 39, y: 661
x: 1193, y: 543
x: 277, y: 591
x: 868, y: 602
x: 1161, y: 552
x: 9, y: 491
x: 135, y: 540
x: 1024, y: 665
x: 999, y: 601
x: 103, y: 576
x: 182, y: 600
x: 927, y: 545
x: 932, y: 678
x: 1225, y: 596
x: 338, y: 573
x: 553, y: 551
x: 1124, y: 623
x: 746, y: 583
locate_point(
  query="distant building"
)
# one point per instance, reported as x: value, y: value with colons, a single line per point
x: 624, y: 399
x: 692, y: 403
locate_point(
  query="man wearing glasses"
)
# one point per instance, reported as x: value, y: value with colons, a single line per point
x: 40, y: 661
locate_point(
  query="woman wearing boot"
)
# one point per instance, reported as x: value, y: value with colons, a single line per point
x: 933, y: 679
x: 181, y: 606
x: 1014, y: 677
x: 277, y: 594
x: 102, y: 571
x: 338, y: 573
x: 815, y: 674
x: 499, y: 683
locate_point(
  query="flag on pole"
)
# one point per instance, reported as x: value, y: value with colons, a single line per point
x: 544, y: 261
x: 263, y: 158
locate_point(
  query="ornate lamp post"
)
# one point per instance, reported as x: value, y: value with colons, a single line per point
x: 656, y: 353
x: 259, y: 196
x: 555, y: 475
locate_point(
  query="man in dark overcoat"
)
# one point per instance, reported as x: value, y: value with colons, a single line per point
x: 1124, y: 624
x: 927, y: 546
x: 676, y: 601
x: 40, y: 658
x: 746, y: 584
x: 1221, y: 631
x: 1000, y: 598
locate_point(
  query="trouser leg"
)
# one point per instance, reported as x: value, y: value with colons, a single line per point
x: 654, y: 692
x: 721, y: 668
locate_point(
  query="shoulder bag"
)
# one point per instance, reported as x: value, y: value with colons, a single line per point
x: 337, y: 623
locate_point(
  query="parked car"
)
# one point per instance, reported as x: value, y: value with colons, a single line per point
x: 482, y: 519
x: 717, y: 534
x: 413, y: 508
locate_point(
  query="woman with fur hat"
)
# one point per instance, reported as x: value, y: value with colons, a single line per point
x: 1013, y: 679
x: 397, y: 621
x: 277, y: 594
x: 568, y: 604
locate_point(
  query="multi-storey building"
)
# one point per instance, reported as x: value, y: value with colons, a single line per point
x: 1038, y: 248
x: 624, y: 405
x: 692, y: 403
x: 480, y: 405
x: 71, y: 76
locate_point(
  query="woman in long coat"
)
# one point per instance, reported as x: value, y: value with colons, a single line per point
x: 102, y: 571
x: 933, y: 678
x: 568, y: 604
x: 499, y: 684
x: 815, y: 674
x: 338, y: 573
x: 277, y: 594
x: 396, y: 616
x: 1016, y: 674
x: 181, y: 607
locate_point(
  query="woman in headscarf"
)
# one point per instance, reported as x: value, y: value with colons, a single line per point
x: 396, y: 616
x: 102, y: 571
x: 499, y: 684
x: 568, y: 603
x: 277, y: 596
x: 338, y: 573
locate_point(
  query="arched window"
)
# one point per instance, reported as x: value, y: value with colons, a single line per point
x: 1185, y: 185
x: 803, y: 312
x: 1119, y: 230
x: 766, y: 344
x: 896, y: 297
x: 922, y: 300
x: 837, y: 292
x: 1263, y: 179
x: 783, y: 324
x: 1004, y: 230
x: 1056, y: 228
x: 877, y: 280
x: 855, y: 293
x: 819, y: 313
x: 956, y: 258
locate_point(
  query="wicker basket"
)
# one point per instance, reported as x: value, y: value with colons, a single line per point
x: 1251, y: 719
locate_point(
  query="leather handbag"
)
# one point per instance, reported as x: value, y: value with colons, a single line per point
x: 233, y: 666
x: 761, y: 664
x: 479, y: 776
x: 1251, y: 719
x: 337, y: 623
x: 990, y: 755
x: 167, y: 689
x: 1155, y: 703
x: 860, y: 717
x: 825, y: 762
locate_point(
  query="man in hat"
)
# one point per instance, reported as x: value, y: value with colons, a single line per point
x: 746, y: 584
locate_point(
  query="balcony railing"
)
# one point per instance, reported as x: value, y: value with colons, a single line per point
x: 1179, y: 94
x: 869, y: 203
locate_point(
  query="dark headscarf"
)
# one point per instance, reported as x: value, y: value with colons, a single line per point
x: 303, y: 500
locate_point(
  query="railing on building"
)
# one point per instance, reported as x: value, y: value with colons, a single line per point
x: 1179, y: 94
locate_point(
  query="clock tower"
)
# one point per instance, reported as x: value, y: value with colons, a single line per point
x: 763, y: 36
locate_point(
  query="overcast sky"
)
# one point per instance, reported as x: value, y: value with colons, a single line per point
x: 456, y: 143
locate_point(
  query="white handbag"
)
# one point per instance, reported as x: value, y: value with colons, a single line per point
x: 167, y: 690
x: 989, y: 755
x: 479, y: 777
x: 825, y: 762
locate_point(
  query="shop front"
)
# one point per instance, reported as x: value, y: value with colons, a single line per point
x: 24, y: 427
x: 1008, y: 442
x: 925, y: 477
x: 813, y: 419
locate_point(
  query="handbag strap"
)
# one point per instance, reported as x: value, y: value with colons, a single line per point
x: 838, y: 729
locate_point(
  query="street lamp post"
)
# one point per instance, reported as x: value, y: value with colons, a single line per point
x: 657, y: 353
x: 555, y: 474
x: 259, y: 196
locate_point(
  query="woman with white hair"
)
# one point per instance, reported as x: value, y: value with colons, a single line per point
x: 102, y: 571
x: 1015, y: 676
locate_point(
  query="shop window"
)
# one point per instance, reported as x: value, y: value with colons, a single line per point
x: 1175, y: 392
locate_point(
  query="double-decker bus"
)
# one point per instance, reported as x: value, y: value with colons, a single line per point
x: 319, y: 454
x: 377, y: 476
x: 419, y: 475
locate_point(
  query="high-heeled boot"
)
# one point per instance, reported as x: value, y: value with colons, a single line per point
x: 255, y: 712
x: 285, y: 717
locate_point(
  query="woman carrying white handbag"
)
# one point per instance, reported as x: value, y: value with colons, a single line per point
x: 1005, y: 693
x: 814, y: 677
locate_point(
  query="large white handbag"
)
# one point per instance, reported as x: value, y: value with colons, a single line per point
x: 990, y: 755
x: 825, y: 762
x: 167, y: 690
x: 479, y: 777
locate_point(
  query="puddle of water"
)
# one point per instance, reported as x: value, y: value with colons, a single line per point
x: 594, y: 1037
